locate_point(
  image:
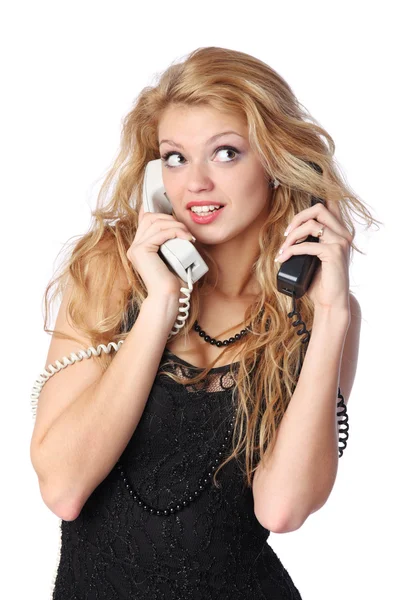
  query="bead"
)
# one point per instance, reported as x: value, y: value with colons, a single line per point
x: 203, y: 481
x: 213, y: 341
x: 206, y: 480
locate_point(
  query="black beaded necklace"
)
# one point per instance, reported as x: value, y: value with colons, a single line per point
x: 215, y: 342
x: 206, y: 479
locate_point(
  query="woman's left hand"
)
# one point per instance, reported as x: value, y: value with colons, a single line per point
x: 330, y: 285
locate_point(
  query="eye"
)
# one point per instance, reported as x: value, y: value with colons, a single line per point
x: 167, y: 155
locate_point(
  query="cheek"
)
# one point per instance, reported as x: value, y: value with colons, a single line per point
x: 171, y: 186
x: 252, y: 188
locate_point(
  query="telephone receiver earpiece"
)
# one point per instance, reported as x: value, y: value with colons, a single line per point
x: 295, y: 274
x: 180, y: 255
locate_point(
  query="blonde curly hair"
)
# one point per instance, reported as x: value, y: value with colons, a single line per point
x: 286, y: 138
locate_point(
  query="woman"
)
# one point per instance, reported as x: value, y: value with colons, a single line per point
x: 170, y: 461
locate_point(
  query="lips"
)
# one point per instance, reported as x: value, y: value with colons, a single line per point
x: 203, y: 203
x: 202, y: 219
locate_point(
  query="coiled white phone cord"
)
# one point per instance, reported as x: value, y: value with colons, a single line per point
x: 184, y: 309
x: 65, y: 361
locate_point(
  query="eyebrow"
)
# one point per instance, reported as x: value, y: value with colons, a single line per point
x: 212, y: 139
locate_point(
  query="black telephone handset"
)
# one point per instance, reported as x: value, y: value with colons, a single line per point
x: 296, y: 273
x: 293, y: 279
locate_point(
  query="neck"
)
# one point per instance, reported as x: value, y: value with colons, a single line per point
x: 232, y: 276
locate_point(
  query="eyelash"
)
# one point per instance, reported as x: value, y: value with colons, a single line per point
x: 166, y: 156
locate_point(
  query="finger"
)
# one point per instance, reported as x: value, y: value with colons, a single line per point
x: 312, y: 227
x: 157, y: 227
x: 155, y: 215
x: 322, y: 216
x: 336, y: 223
x: 163, y: 234
x: 313, y: 248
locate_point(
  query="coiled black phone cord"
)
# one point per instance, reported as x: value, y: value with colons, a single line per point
x: 343, y: 419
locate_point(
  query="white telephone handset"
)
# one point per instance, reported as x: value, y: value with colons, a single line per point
x: 180, y: 254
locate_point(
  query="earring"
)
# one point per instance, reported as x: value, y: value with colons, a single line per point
x: 274, y: 184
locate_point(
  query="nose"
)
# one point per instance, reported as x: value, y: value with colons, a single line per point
x: 198, y: 177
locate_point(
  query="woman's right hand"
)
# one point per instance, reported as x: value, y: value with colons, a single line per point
x: 153, y: 230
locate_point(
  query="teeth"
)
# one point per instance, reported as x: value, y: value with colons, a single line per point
x: 204, y: 209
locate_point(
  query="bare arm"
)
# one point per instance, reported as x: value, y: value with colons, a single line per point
x: 302, y: 470
x: 84, y: 443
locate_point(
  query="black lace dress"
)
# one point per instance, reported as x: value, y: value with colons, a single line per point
x: 212, y: 547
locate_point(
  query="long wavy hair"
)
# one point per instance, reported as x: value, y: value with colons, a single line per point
x: 286, y: 138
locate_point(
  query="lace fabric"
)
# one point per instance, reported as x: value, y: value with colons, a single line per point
x: 212, y: 548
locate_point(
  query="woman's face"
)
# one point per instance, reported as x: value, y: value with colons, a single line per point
x: 196, y: 167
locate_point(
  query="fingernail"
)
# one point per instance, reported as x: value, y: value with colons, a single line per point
x: 287, y: 231
x: 278, y: 255
x: 193, y: 238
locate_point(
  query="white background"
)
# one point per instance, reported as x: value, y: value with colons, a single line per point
x: 70, y: 72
